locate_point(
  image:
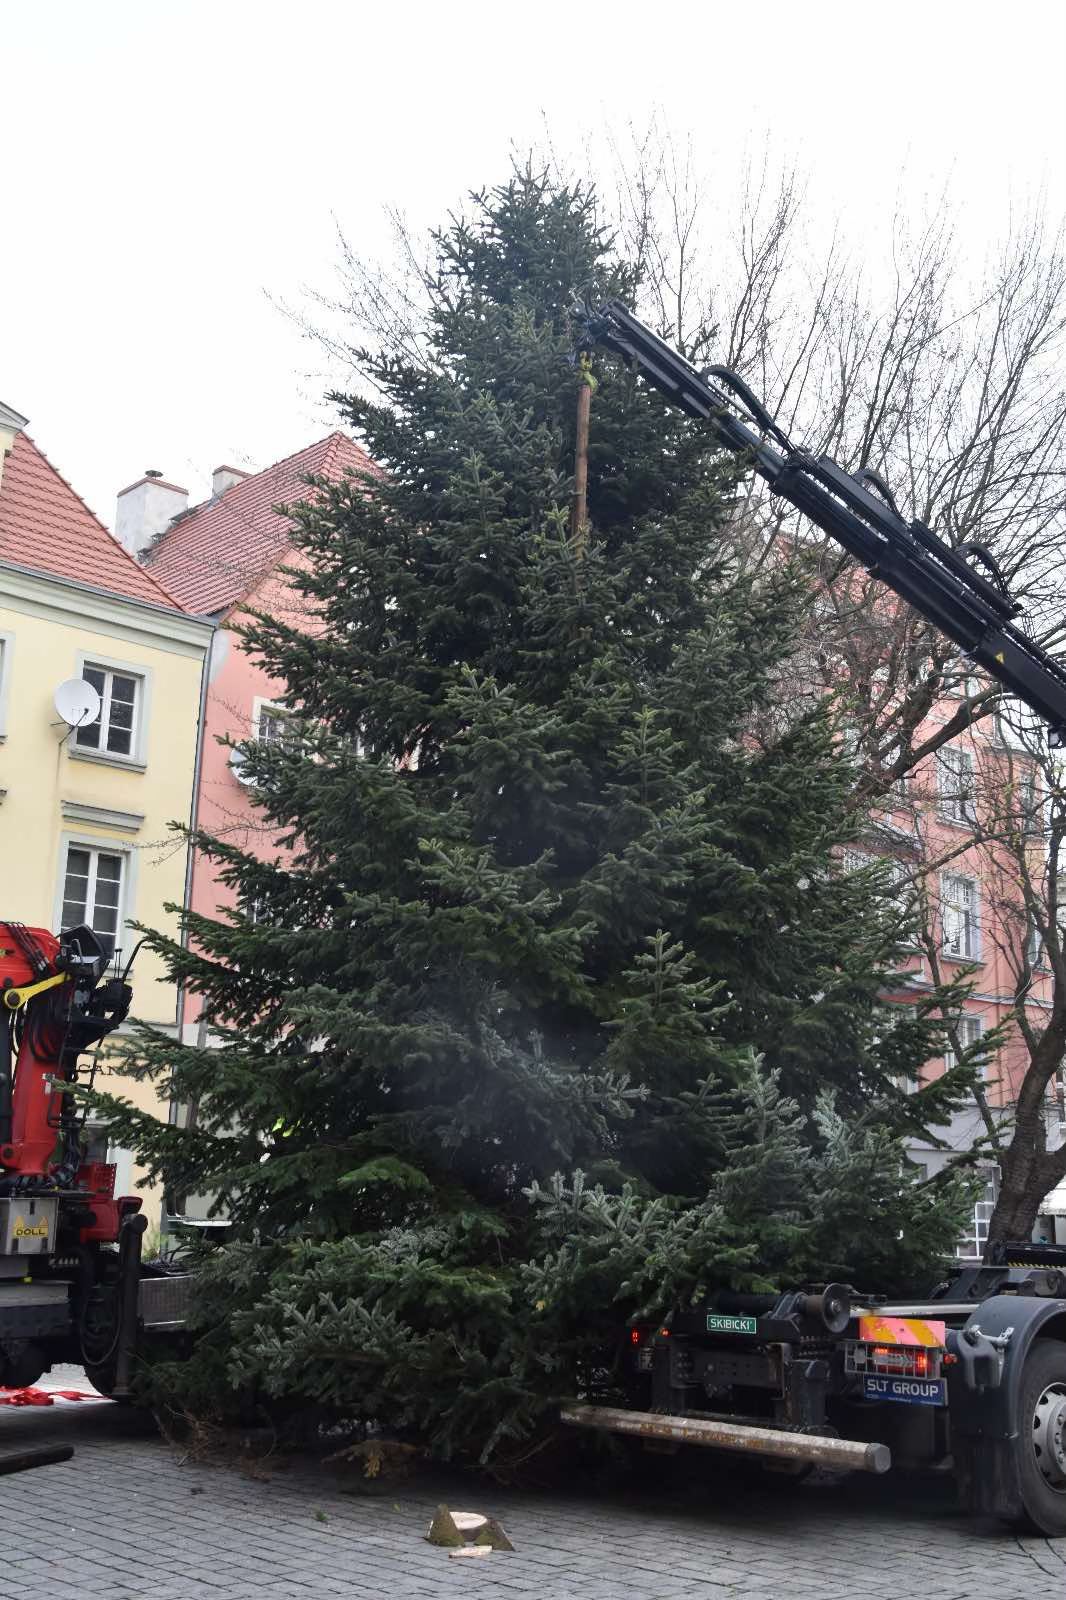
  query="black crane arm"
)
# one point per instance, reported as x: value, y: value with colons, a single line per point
x: 855, y: 509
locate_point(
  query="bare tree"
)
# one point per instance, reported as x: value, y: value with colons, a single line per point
x: 1018, y: 832
x: 946, y: 381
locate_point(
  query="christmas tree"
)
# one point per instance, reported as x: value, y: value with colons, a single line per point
x: 556, y: 1004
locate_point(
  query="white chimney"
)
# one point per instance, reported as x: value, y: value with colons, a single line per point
x: 11, y: 423
x: 145, y: 509
x: 224, y: 478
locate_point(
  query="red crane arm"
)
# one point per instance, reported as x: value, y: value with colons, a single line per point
x: 53, y: 1005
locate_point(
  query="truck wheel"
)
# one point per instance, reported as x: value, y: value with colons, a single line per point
x: 102, y: 1379
x: 1042, y: 1438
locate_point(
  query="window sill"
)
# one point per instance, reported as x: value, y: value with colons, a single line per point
x: 962, y: 961
x: 105, y: 758
x: 955, y: 822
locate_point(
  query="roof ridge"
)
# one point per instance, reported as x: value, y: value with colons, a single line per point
x: 104, y: 529
x: 339, y: 437
x: 217, y: 552
x: 327, y: 438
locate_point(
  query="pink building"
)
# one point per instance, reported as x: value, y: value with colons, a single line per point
x: 945, y: 826
x: 220, y: 559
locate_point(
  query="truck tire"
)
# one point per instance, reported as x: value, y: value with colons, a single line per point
x: 1041, y: 1441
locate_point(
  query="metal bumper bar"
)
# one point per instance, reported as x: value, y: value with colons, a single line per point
x: 852, y: 1454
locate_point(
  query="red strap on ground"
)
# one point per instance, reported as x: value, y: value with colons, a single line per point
x: 40, y: 1397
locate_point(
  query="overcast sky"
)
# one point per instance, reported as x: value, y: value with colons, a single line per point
x: 171, y: 165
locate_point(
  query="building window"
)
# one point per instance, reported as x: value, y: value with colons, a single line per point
x: 956, y: 784
x: 1014, y: 726
x: 92, y: 891
x: 967, y: 686
x: 972, y: 1245
x: 7, y: 644
x: 905, y: 1082
x: 274, y: 725
x: 896, y: 795
x: 1034, y: 946
x: 900, y: 887
x: 115, y: 729
x: 960, y: 917
x: 968, y: 1030
x: 1030, y: 809
x: 255, y: 909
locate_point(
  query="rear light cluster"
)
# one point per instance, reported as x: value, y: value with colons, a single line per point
x: 894, y: 1361
x: 641, y: 1343
x: 910, y: 1363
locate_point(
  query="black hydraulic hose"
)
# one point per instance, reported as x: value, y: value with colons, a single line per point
x: 857, y: 510
x: 755, y: 1305
x: 7, y: 1080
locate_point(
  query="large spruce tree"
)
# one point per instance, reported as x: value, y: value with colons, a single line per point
x: 555, y: 1004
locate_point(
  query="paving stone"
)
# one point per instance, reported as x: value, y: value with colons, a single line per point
x: 130, y: 1520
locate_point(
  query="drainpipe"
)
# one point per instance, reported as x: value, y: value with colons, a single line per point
x: 190, y: 861
x: 194, y: 814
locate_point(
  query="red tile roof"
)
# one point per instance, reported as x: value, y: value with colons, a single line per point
x: 45, y: 525
x: 211, y: 557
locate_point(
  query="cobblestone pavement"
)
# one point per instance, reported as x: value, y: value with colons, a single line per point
x: 128, y: 1519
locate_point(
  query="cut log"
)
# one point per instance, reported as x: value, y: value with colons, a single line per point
x: 443, y: 1529
x: 44, y: 1456
x: 469, y: 1523
x: 493, y: 1536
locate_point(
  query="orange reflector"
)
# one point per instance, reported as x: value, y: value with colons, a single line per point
x: 911, y: 1331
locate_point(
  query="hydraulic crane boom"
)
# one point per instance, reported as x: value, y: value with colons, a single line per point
x: 855, y: 509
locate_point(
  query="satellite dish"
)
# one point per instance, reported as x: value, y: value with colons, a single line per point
x: 238, y: 765
x: 77, y: 702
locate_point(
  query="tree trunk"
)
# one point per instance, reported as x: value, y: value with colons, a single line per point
x: 1027, y: 1176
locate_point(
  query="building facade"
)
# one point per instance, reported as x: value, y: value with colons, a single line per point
x: 966, y: 829
x: 86, y: 810
x: 224, y: 558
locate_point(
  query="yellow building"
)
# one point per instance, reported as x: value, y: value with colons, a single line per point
x: 85, y: 811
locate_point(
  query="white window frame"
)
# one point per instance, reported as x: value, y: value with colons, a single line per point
x: 910, y: 1084
x: 7, y: 651
x: 956, y: 802
x: 127, y: 897
x: 949, y: 902
x: 966, y: 1024
x: 896, y: 797
x: 966, y: 681
x: 272, y: 708
x: 982, y: 1216
x: 1013, y: 726
x: 253, y: 910
x: 137, y: 758
x: 1031, y: 799
x: 854, y: 860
